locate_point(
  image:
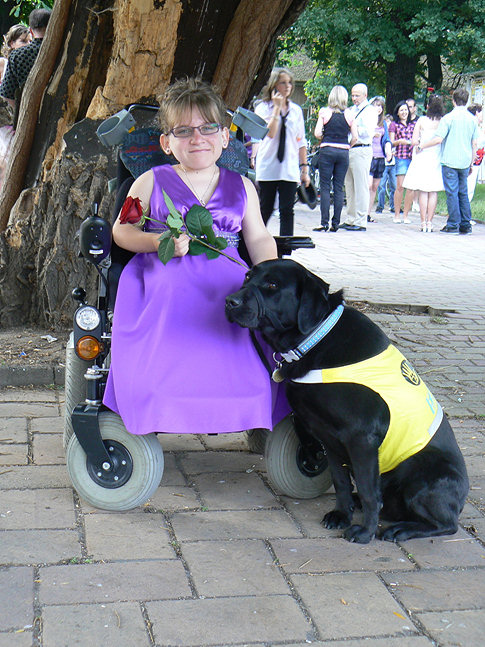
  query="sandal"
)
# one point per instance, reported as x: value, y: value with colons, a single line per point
x: 369, y: 219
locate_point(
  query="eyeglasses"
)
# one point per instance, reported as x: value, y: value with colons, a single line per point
x: 183, y: 132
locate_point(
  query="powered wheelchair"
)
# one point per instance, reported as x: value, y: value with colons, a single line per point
x: 110, y: 468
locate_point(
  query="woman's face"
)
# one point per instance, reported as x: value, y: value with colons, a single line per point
x: 403, y: 112
x: 20, y: 41
x: 197, y: 151
x: 284, y: 85
x: 378, y: 107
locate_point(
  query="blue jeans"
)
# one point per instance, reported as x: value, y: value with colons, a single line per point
x: 456, y: 189
x: 388, y: 178
x: 332, y: 164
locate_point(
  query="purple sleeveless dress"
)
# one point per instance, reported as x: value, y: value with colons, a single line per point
x: 177, y: 364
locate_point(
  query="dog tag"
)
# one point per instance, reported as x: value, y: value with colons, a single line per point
x: 276, y: 376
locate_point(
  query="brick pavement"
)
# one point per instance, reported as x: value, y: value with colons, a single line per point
x: 217, y: 557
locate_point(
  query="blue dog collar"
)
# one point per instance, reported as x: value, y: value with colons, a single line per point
x: 316, y: 336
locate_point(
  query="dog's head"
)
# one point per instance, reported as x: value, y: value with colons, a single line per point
x: 282, y: 299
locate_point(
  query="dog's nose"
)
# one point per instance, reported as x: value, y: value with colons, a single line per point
x: 233, y: 301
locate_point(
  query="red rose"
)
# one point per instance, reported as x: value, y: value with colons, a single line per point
x: 131, y: 211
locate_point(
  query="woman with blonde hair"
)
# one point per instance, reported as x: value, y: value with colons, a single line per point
x: 333, y: 128
x: 281, y: 158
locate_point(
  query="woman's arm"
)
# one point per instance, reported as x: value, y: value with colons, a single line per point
x: 417, y: 133
x: 132, y: 237
x: 259, y: 242
x: 319, y: 127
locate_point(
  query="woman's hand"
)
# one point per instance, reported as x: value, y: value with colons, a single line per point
x: 304, y: 176
x: 181, y: 245
x: 278, y: 99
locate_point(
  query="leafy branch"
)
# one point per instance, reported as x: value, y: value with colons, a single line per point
x: 198, y: 226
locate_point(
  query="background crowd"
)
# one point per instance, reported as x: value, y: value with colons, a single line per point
x: 371, y: 152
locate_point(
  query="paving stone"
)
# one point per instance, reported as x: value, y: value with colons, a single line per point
x: 200, y: 463
x: 174, y: 498
x: 346, y: 605
x: 310, y: 512
x: 171, y: 473
x: 455, y: 628
x: 330, y: 554
x: 133, y: 536
x: 458, y: 550
x: 49, y: 450
x: 28, y: 410
x: 48, y: 425
x: 88, y: 624
x: 15, y: 639
x: 11, y: 454
x: 228, y: 621
x: 401, y: 641
x: 13, y: 430
x: 248, y: 524
x: 16, y: 597
x: 34, y: 476
x: 445, y: 590
x: 181, y: 442
x: 10, y: 394
x: 233, y: 441
x: 115, y: 582
x: 38, y: 546
x: 233, y: 568
x: 234, y: 491
x: 20, y: 509
x: 474, y: 464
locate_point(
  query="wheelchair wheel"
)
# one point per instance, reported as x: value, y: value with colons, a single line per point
x: 139, y: 466
x: 291, y: 469
x: 256, y: 439
x: 75, y: 386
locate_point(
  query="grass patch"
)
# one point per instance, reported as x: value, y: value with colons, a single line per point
x: 477, y: 204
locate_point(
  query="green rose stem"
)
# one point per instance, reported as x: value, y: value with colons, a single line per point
x: 198, y: 226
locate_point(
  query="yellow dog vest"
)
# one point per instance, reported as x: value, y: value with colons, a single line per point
x: 414, y: 413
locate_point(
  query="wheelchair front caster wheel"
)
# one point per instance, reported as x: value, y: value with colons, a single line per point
x: 291, y: 468
x: 138, y: 467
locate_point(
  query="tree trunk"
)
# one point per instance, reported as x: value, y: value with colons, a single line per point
x: 400, y: 75
x: 435, y: 71
x: 114, y: 53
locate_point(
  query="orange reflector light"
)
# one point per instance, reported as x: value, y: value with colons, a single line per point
x: 88, y: 347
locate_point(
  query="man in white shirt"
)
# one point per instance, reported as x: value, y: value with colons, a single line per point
x: 360, y: 158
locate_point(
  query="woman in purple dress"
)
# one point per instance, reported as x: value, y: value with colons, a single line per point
x: 177, y: 364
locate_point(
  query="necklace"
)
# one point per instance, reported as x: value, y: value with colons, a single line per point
x: 199, y: 198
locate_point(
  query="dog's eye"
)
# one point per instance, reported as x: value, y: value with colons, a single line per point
x: 246, y: 278
x: 271, y: 285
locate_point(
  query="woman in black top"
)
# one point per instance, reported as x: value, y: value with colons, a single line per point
x: 335, y: 128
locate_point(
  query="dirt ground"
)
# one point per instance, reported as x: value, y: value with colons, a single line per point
x: 32, y: 347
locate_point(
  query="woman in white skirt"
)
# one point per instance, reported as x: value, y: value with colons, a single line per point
x: 424, y: 172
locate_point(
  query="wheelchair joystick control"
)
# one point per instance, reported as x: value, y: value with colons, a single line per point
x: 78, y: 294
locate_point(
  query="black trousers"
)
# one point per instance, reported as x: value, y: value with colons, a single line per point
x: 286, y: 194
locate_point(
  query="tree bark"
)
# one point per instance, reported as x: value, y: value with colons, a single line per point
x: 400, y: 75
x: 115, y: 52
x: 29, y: 107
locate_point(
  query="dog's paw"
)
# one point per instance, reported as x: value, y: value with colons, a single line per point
x: 358, y: 534
x: 336, y: 519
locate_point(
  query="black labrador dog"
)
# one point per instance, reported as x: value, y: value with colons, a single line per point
x: 362, y: 400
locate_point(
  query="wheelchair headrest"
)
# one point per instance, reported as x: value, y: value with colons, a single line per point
x: 140, y: 151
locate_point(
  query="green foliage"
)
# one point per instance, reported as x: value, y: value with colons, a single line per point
x: 198, y: 226
x: 21, y: 10
x: 353, y: 40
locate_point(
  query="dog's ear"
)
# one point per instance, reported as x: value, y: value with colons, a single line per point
x: 313, y: 302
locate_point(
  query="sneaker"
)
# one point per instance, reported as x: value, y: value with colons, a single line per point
x: 379, y: 210
x: 449, y: 230
x: 464, y: 232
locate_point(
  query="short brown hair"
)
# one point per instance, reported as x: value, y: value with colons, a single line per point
x: 460, y: 96
x: 186, y: 94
